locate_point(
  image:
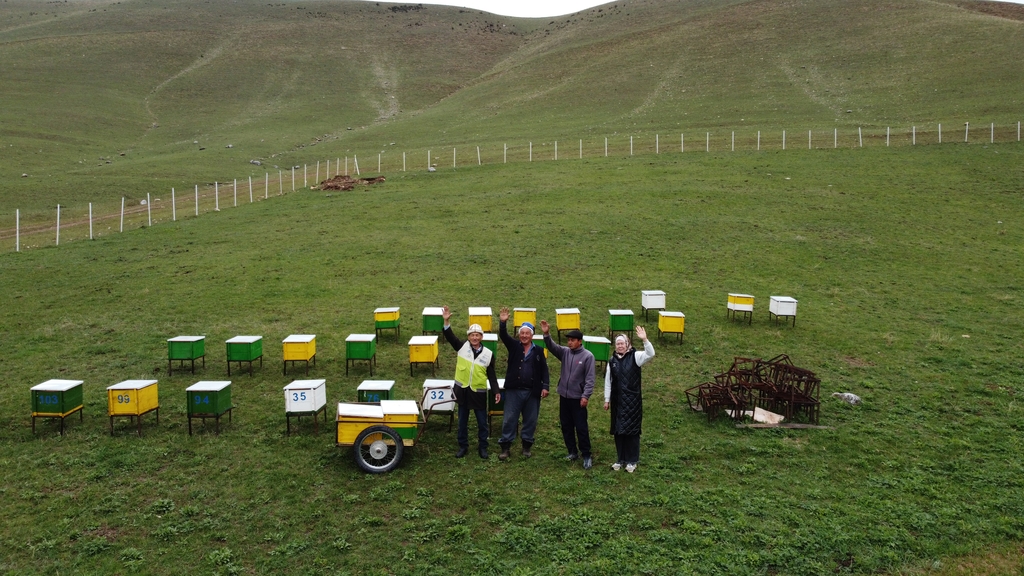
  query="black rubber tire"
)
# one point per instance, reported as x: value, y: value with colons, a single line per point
x: 378, y: 449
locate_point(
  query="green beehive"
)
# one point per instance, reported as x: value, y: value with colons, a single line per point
x: 208, y: 398
x: 244, y: 348
x: 186, y: 348
x: 374, y: 390
x: 360, y: 346
x: 433, y: 320
x: 620, y: 320
x: 56, y: 397
x: 491, y: 342
x: 599, y: 346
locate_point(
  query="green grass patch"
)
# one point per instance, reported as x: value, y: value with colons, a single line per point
x: 906, y: 265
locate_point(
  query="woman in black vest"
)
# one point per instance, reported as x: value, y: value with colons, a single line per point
x: 622, y: 396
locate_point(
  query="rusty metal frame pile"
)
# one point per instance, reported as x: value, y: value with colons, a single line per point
x: 776, y: 385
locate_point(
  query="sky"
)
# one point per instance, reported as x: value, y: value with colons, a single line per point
x: 532, y: 8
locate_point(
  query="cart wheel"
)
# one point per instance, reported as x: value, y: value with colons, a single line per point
x: 378, y: 449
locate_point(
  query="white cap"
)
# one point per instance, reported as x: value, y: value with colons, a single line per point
x: 474, y: 328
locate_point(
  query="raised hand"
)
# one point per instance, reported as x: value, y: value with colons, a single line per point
x: 641, y: 332
x: 446, y: 314
x: 544, y: 327
x: 503, y: 314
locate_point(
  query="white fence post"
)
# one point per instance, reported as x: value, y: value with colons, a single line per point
x: 758, y: 140
x: 860, y: 137
x: 58, y: 224
x: 317, y: 172
x: 305, y: 171
x: 808, y: 139
x: 149, y: 210
x: 682, y: 142
x: 940, y: 133
x: 337, y: 165
x: 453, y: 157
x: 122, y: 213
x: 581, y: 148
x: 90, y: 215
x: 657, y: 144
x: 478, y: 163
x: 355, y: 161
x: 234, y: 188
x: 280, y: 183
x: 197, y: 199
x: 17, y: 230
x: 250, y: 189
x: 733, y: 140
x: 605, y: 146
x: 505, y: 155
x: 328, y: 168
x: 216, y: 196
x: 174, y: 212
x: 630, y: 145
x: 531, y: 151
x: 266, y: 185
x: 992, y: 136
x: 707, y: 141
x: 886, y: 136
x: 556, y: 149
x: 835, y: 137
x: 913, y: 136
x: 783, y: 139
x: 1018, y: 130
x: 293, y: 178
x: 967, y: 129
x: 346, y: 165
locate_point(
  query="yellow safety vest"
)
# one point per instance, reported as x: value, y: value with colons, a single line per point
x: 471, y: 372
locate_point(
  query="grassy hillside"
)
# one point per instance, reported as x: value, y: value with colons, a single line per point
x: 909, y: 296
x: 105, y: 99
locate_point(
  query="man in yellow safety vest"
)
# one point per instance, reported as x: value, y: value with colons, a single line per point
x: 474, y: 373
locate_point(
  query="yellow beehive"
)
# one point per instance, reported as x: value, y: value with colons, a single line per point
x: 567, y: 318
x: 132, y: 398
x: 671, y: 322
x: 400, y: 411
x: 299, y: 347
x: 354, y: 418
x: 386, y: 314
x: 423, y: 349
x: 523, y: 315
x: 481, y: 315
x: 741, y: 302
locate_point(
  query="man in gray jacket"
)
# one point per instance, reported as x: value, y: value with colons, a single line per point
x: 575, y: 385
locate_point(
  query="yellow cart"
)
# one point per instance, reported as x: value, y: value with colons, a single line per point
x: 378, y: 431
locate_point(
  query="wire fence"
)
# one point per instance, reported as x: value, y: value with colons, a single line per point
x: 76, y: 221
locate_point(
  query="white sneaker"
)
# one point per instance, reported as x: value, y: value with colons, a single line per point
x: 617, y: 466
x: 630, y: 468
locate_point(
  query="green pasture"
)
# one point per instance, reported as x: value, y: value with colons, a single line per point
x: 906, y: 264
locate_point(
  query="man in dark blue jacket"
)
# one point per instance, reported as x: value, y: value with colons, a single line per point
x: 526, y: 382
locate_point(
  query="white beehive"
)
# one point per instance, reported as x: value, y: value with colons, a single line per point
x: 305, y: 396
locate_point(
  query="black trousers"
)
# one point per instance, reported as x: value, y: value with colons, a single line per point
x: 573, y: 418
x: 627, y: 448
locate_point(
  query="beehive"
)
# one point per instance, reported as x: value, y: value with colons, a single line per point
x: 567, y: 319
x: 490, y: 342
x: 299, y: 347
x: 481, y: 315
x: 599, y: 346
x: 538, y: 340
x: 208, y: 398
x: 132, y: 398
x: 620, y: 320
x: 523, y: 315
x: 354, y: 418
x: 56, y: 398
x: 244, y: 348
x: 671, y: 322
x: 741, y: 302
x: 186, y: 347
x: 305, y: 396
x: 433, y: 319
x: 782, y: 306
x: 438, y: 395
x: 404, y: 417
x: 360, y: 346
x: 374, y: 390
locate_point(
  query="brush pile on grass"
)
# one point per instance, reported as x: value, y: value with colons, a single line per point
x: 346, y: 182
